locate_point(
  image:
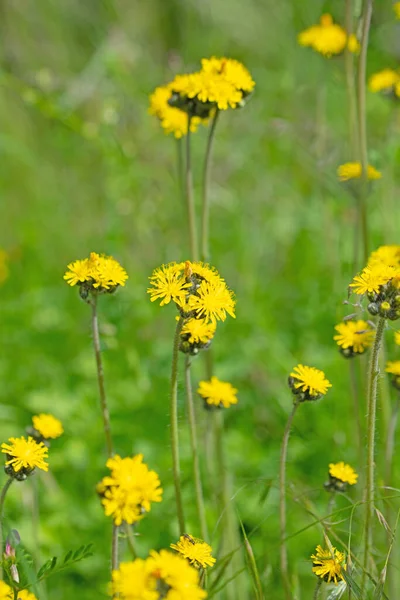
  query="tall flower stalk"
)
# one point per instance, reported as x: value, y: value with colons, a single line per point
x: 4, y: 491
x: 205, y: 210
x: 190, y: 203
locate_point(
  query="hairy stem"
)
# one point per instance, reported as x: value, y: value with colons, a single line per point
x: 195, y: 453
x: 4, y: 491
x: 356, y: 407
x: 194, y: 255
x: 174, y: 427
x: 371, y: 425
x: 205, y: 211
x: 282, y: 503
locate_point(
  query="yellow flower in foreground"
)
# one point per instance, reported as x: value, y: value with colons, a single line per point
x: 25, y: 595
x: 384, y: 81
x: 393, y: 367
x: 161, y: 572
x: 355, y: 336
x: 310, y: 381
x: 196, y: 551
x: 25, y: 454
x: 99, y: 272
x: 353, y: 170
x: 328, y: 564
x: 327, y: 37
x: 212, y: 301
x: 198, y: 331
x: 48, y: 426
x: 168, y: 284
x: 172, y: 120
x: 127, y: 493
x: 6, y: 592
x: 343, y: 472
x: 218, y: 393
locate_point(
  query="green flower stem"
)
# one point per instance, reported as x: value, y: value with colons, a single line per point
x: 114, y: 552
x: 350, y: 85
x: 194, y: 254
x: 195, y: 454
x: 4, y: 491
x: 389, y: 449
x: 356, y: 407
x: 100, y: 376
x: 362, y: 124
x: 371, y: 425
x: 282, y: 503
x: 205, y: 211
x: 174, y: 427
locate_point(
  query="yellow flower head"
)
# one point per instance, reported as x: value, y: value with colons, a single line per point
x: 354, y: 336
x: 129, y: 490
x: 217, y: 393
x: 384, y: 81
x: 353, y: 170
x: 48, y: 426
x: 353, y: 44
x: 26, y: 595
x: 372, y: 278
x: 197, y: 552
x: 343, y: 473
x: 308, y: 381
x: 393, y: 367
x: 196, y: 288
x: 6, y: 592
x: 388, y: 255
x: 133, y: 581
x: 23, y: 455
x: 98, y: 272
x: 397, y: 337
x: 231, y: 70
x: 396, y: 8
x: 172, y: 120
x: 198, y: 331
x: 327, y: 37
x: 328, y: 564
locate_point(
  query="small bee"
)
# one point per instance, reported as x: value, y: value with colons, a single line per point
x: 189, y: 538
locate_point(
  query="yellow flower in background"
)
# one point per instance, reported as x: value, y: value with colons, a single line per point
x: 354, y: 335
x: 353, y: 170
x: 397, y: 337
x: 328, y: 38
x: 4, y: 270
x: 129, y: 490
x: 343, y: 472
x: 172, y: 120
x: 232, y: 70
x: 218, y: 393
x: 384, y: 81
x: 388, y: 255
x: 328, y: 564
x: 25, y: 454
x: 198, y: 331
x: 396, y: 8
x: 309, y: 380
x: 6, y: 593
x: 393, y: 367
x: 48, y: 426
x: 99, y: 272
x: 197, y: 552
x: 133, y: 581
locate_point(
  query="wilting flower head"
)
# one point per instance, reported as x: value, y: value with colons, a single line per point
x: 386, y: 81
x: 172, y: 120
x: 353, y: 170
x: 197, y: 552
x: 328, y: 38
x: 46, y: 427
x: 216, y: 393
x: 98, y: 273
x: 197, y: 290
x: 308, y: 383
x: 127, y: 493
x: 340, y: 476
x: 353, y: 337
x: 163, y: 575
x: 23, y: 456
x: 196, y: 335
x: 328, y: 564
x: 393, y: 368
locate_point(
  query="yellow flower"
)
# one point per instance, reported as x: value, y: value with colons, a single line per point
x: 197, y: 552
x: 309, y: 380
x: 99, y: 272
x: 127, y: 493
x: 133, y: 581
x: 396, y: 8
x: 393, y: 367
x: 168, y: 284
x: 212, y: 301
x: 372, y: 278
x: 198, y: 331
x: 25, y: 595
x: 327, y: 38
x: 388, y: 255
x: 356, y: 335
x: 328, y: 564
x: 48, y: 426
x: 231, y: 70
x: 218, y: 393
x: 383, y: 81
x: 25, y: 454
x: 6, y: 592
x: 397, y: 337
x: 343, y: 472
x: 172, y: 120
x: 353, y: 170
x: 353, y: 44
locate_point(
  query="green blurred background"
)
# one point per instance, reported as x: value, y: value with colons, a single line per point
x: 83, y: 167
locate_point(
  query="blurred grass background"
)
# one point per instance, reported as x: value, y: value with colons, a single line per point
x: 84, y: 167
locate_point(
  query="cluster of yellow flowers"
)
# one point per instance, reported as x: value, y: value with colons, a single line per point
x: 328, y: 38
x: 127, y: 493
x: 98, y: 273
x: 221, y: 83
x: 6, y: 593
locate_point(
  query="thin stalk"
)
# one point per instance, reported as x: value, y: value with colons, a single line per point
x: 389, y: 449
x: 100, y: 376
x: 194, y: 254
x: 205, y: 211
x: 371, y: 425
x: 4, y: 491
x: 282, y: 503
x: 356, y: 407
x: 195, y: 453
x: 351, y: 85
x: 362, y: 124
x: 114, y: 552
x: 130, y: 540
x: 174, y: 427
